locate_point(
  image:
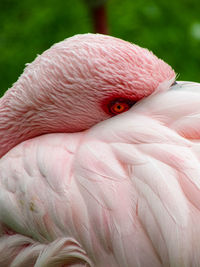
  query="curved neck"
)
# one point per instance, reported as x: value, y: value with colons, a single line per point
x: 19, y: 123
x: 11, y: 130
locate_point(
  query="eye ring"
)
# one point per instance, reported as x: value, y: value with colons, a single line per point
x: 120, y: 105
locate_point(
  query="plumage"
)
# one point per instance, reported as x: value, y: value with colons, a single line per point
x: 122, y: 192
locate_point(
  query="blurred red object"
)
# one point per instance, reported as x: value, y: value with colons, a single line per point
x: 99, y: 16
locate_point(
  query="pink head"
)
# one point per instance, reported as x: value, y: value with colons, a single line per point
x: 77, y: 83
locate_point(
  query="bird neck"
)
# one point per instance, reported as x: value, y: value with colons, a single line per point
x: 13, y: 128
x: 20, y: 122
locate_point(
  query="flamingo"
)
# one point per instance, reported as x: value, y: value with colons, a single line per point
x: 99, y: 160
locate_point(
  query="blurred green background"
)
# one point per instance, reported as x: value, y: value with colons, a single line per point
x: 171, y: 29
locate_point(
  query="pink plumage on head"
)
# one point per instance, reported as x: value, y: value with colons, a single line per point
x: 71, y: 86
x: 104, y: 63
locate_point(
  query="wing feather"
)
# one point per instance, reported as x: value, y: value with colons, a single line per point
x: 125, y: 192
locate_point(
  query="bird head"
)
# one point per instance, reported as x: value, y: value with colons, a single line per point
x: 79, y: 82
x: 86, y: 79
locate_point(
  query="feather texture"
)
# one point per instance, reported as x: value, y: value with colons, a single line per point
x: 126, y: 192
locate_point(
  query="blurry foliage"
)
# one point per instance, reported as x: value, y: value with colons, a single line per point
x: 171, y: 29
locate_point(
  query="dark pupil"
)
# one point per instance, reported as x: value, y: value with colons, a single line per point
x: 119, y: 107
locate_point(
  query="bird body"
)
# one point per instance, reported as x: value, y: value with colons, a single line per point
x: 123, y: 192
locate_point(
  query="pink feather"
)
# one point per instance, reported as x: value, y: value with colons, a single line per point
x: 80, y: 187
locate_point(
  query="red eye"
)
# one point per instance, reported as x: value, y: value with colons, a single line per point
x: 119, y: 105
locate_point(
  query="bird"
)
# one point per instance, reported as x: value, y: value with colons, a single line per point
x: 99, y: 166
